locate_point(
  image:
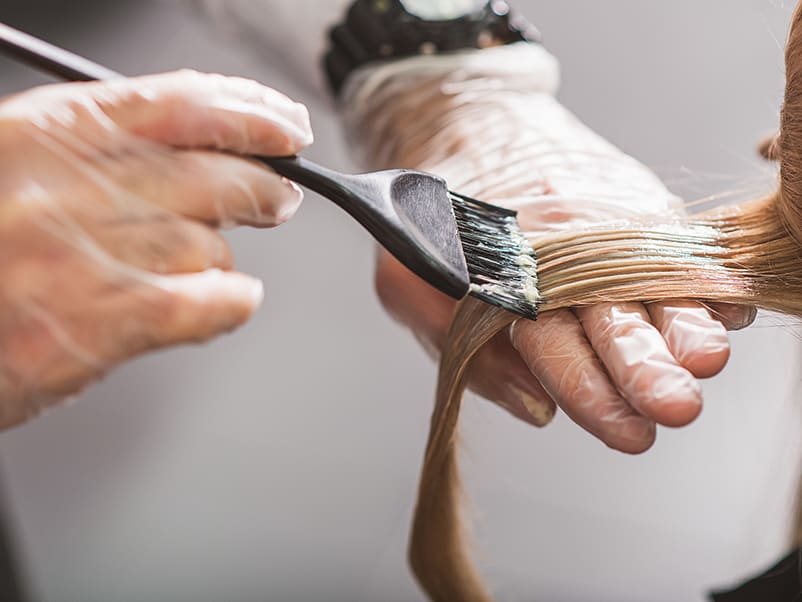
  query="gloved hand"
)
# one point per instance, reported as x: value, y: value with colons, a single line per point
x: 489, y: 124
x: 616, y: 370
x: 110, y: 194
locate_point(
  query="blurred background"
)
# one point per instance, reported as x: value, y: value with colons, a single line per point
x: 280, y: 463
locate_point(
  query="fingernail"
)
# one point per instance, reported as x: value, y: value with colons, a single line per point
x: 292, y: 196
x: 540, y: 411
x: 297, y: 192
x: 747, y: 317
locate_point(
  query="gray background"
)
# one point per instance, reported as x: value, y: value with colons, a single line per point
x: 280, y: 463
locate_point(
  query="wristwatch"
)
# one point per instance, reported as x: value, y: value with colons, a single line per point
x: 382, y: 30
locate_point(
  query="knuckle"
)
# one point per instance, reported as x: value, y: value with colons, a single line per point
x: 125, y: 99
x: 558, y: 334
x: 625, y: 326
x: 137, y: 97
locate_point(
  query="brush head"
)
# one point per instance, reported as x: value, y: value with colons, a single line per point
x: 501, y: 263
x: 457, y: 244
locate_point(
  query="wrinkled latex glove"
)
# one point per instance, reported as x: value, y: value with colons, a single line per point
x: 110, y: 197
x: 617, y: 370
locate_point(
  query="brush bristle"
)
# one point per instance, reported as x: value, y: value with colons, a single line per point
x: 501, y: 263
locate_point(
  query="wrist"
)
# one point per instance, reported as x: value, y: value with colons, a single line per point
x: 388, y: 107
x: 520, y: 67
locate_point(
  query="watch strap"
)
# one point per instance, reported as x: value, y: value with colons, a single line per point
x: 381, y: 30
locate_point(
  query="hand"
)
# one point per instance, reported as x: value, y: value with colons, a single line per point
x: 616, y: 370
x: 488, y: 122
x: 110, y: 194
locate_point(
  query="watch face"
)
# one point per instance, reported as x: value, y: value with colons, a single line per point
x: 442, y: 10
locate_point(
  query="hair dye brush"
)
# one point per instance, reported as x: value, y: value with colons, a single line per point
x: 457, y: 244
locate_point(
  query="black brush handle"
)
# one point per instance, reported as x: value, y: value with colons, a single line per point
x: 359, y: 194
x: 368, y: 198
x: 407, y: 212
x: 49, y: 58
x: 326, y: 182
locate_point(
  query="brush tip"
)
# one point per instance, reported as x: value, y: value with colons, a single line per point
x: 501, y: 263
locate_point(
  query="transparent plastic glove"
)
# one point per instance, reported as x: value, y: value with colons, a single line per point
x: 110, y: 194
x: 488, y: 122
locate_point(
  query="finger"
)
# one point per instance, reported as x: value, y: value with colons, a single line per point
x: 162, y: 243
x: 697, y: 340
x: 499, y: 375
x: 138, y: 234
x: 557, y: 352
x: 199, y: 110
x: 53, y: 357
x: 733, y: 317
x: 215, y: 188
x: 185, y: 308
x: 640, y: 364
